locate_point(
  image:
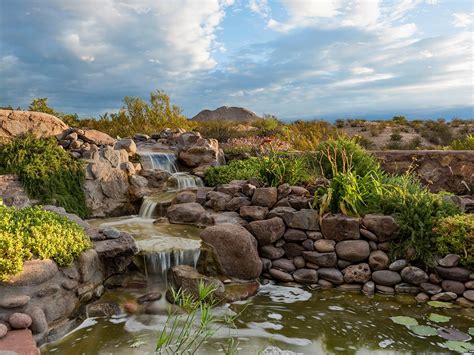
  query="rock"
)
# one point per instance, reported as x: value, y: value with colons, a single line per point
x: 14, y: 301
x: 306, y: 276
x: 308, y: 244
x: 430, y: 289
x: 189, y: 213
x: 236, y: 203
x: 449, y: 260
x: 280, y: 275
x: 292, y: 250
x: 414, y: 275
x: 386, y: 277
x: 469, y: 285
x: 128, y: 145
x: 321, y: 259
x: 342, y: 264
x: 266, y: 264
x: 141, y: 137
x: 138, y: 181
x: 265, y: 196
x: 384, y: 227
x: 39, y: 324
x: 241, y: 259
x: 3, y: 330
x: 444, y: 297
x: 200, y: 152
x: 253, y: 213
x: 267, y: 231
x: 103, y: 309
x: 339, y: 227
x: 185, y: 197
x: 88, y: 264
x: 398, y: 265
x: 325, y: 284
x: 149, y: 297
x: 201, y: 194
x: 96, y: 137
x: 284, y: 265
x: 314, y: 235
x: 186, y: 278
x: 130, y: 308
x: 469, y: 295
x: 324, y: 245
x: 359, y: 273
x: 294, y: 235
x: 378, y: 260
x: 353, y: 250
x: 453, y: 273
x: 453, y: 286
x: 116, y: 254
x: 306, y: 219
x: 14, y: 123
x: 386, y: 290
x: 373, y: 245
x: 229, y: 189
x: 111, y: 233
x: 299, y: 202
x: 248, y: 189
x: 280, y: 211
x: 368, y: 234
x: 19, y: 320
x: 299, y: 191
x: 271, y: 252
x: 332, y: 275
x: 464, y: 302
x: 350, y: 287
x: 217, y: 200
x: 284, y: 190
x: 422, y: 297
x: 34, y: 272
x: 299, y: 262
x: 435, y: 278
x: 369, y: 288
x: 311, y: 266
x: 407, y: 289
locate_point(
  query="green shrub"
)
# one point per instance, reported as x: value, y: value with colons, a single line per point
x: 278, y: 168
x: 455, y: 234
x: 338, y: 154
x: 35, y: 233
x: 235, y: 170
x: 465, y: 143
x: 48, y: 173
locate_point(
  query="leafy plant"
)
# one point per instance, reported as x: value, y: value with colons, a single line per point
x: 277, y: 168
x: 48, y: 173
x: 35, y: 233
x: 235, y: 170
x: 464, y: 143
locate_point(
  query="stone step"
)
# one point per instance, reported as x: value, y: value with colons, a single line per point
x: 19, y: 342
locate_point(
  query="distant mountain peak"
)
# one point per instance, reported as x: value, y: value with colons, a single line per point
x: 227, y: 113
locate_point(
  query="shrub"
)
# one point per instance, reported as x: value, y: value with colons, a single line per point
x: 235, y: 170
x: 465, y: 143
x: 455, y: 234
x: 307, y: 135
x: 396, y: 137
x: 342, y: 153
x: 48, y: 173
x: 277, y: 169
x: 35, y: 233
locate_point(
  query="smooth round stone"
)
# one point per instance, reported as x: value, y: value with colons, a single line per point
x: 342, y: 264
x: 150, y: 297
x: 378, y: 260
x: 284, y: 265
x: 386, y: 277
x: 430, y: 289
x: 19, y: 320
x: 280, y: 275
x: 14, y: 301
x: 312, y: 266
x: 353, y: 250
x: 299, y: 262
x: 385, y: 289
x: 306, y: 276
x: 454, y: 273
x: 331, y: 274
x: 271, y: 252
x: 369, y: 288
x: 469, y: 295
x: 324, y: 245
x: 407, y: 289
x: 435, y: 279
x: 444, y: 296
x: 368, y: 234
x: 414, y: 275
x: 464, y: 302
x: 456, y: 287
x: 325, y: 283
x: 266, y: 264
x: 469, y: 285
x: 293, y: 249
x: 294, y: 235
x: 308, y: 244
x: 321, y: 259
x: 422, y: 297
x: 398, y: 265
x: 130, y: 307
x: 3, y: 330
x: 350, y: 287
x: 373, y: 245
x: 449, y: 260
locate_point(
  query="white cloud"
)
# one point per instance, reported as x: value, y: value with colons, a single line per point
x: 362, y: 70
x: 463, y: 19
x: 260, y: 7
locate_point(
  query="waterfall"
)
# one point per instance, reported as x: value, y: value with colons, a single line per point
x: 157, y: 264
x: 159, y: 160
x: 181, y: 181
x: 156, y: 204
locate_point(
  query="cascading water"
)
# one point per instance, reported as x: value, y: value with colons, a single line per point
x: 182, y: 181
x: 165, y: 161
x: 156, y: 204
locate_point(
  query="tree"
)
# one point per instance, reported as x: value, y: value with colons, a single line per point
x: 40, y: 104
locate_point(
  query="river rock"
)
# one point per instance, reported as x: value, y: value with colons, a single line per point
x: 294, y: 235
x: 185, y: 197
x: 19, y: 320
x: 299, y: 202
x: 266, y: 264
x: 453, y: 273
x: 414, y: 275
x: 248, y: 189
x: 332, y: 275
x: 230, y: 188
x: 241, y: 259
x: 188, y: 213
x: 444, y: 296
x: 271, y: 252
x: 34, y: 272
x: 186, y: 278
x: 359, y: 273
x: 384, y: 227
x: 324, y: 245
x: 3, y: 330
x: 267, y: 231
x: 324, y: 284
x: 430, y: 289
x: 116, y: 254
x: 253, y: 213
x: 265, y: 196
x: 386, y: 290
x: 378, y: 260
x: 217, y: 200
x: 236, y: 203
x: 407, y: 288
x: 14, y: 301
x: 284, y: 265
x: 306, y: 276
x: 299, y: 262
x: 422, y: 297
x: 353, y: 250
x: 306, y: 219
x: 280, y: 211
x: 453, y: 286
x: 280, y: 275
x: 435, y: 278
x: 449, y: 260
x: 292, y: 250
x: 321, y: 259
x: 398, y: 265
x: 386, y: 277
x: 369, y: 288
x: 127, y: 144
x: 93, y: 136
x: 284, y: 190
x: 308, y: 244
x: 469, y: 295
x: 198, y: 151
x: 315, y: 235
x: 368, y: 234
x: 149, y: 297
x: 464, y: 302
x: 469, y: 285
x: 339, y: 227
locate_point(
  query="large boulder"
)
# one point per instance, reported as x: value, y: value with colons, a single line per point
x: 353, y: 250
x: 200, y: 152
x: 384, y: 227
x: 116, y: 254
x: 267, y: 231
x: 265, y: 196
x: 236, y: 250
x: 15, y: 123
x: 304, y: 219
x: 339, y: 227
x: 96, y: 137
x: 189, y: 213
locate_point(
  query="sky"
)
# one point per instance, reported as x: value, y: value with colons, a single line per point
x: 290, y: 58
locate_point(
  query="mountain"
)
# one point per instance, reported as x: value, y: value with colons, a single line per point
x: 227, y: 113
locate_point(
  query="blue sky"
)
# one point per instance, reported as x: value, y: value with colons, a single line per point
x: 294, y: 59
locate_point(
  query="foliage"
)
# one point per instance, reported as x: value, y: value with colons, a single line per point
x: 455, y: 234
x: 464, y: 143
x: 235, y: 170
x: 35, y: 233
x: 40, y: 104
x: 437, y: 132
x: 307, y: 135
x: 48, y: 173
x: 332, y: 155
x: 277, y: 168
x: 183, y: 334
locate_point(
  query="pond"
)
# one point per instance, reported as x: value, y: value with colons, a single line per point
x: 279, y: 319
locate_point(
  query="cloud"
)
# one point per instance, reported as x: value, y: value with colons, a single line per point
x: 463, y: 19
x: 259, y: 7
